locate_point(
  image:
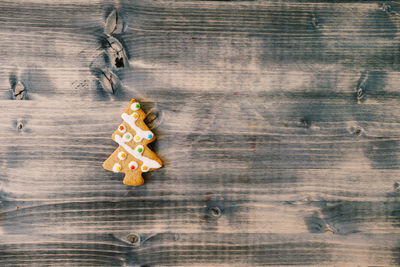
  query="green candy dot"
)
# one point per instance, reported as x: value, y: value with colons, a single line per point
x: 137, y: 106
x: 140, y: 150
x: 127, y: 136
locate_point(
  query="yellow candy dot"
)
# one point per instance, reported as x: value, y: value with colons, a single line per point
x: 137, y: 137
x: 144, y: 167
x: 135, y: 115
x: 116, y: 167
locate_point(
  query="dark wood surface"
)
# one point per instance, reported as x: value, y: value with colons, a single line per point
x: 278, y: 123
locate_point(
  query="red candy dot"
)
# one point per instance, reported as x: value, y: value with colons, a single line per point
x: 132, y: 167
x: 121, y: 127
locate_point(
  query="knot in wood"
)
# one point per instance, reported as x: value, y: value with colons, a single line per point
x: 133, y: 238
x: 19, y: 91
x: 216, y: 212
x: 386, y: 7
x: 306, y: 123
x: 360, y: 94
x: 357, y: 131
x: 396, y: 186
x: 20, y: 125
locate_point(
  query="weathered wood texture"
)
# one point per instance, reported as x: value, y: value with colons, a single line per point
x: 278, y: 123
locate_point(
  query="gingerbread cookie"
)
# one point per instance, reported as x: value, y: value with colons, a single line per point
x: 132, y: 156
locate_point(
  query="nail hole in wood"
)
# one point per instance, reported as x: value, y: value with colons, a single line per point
x: 133, y: 238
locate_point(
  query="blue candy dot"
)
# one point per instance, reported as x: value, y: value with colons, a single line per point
x: 150, y: 136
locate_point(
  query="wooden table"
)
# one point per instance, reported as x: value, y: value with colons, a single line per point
x: 277, y: 121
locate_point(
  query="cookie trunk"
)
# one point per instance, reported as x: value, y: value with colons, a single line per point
x: 134, y: 179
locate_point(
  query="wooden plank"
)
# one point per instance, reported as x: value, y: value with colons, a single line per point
x: 278, y: 123
x: 205, y: 249
x: 285, y: 187
x: 273, y: 39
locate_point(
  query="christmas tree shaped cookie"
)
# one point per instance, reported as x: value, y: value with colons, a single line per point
x: 132, y: 156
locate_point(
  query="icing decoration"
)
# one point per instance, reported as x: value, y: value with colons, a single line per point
x: 127, y: 137
x: 151, y: 164
x: 122, y: 128
x: 139, y: 149
x: 137, y: 138
x: 122, y: 155
x: 144, y: 168
x: 135, y: 116
x: 117, y: 167
x: 132, y: 123
x: 135, y: 106
x: 133, y: 165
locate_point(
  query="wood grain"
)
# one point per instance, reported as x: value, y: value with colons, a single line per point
x: 278, y: 123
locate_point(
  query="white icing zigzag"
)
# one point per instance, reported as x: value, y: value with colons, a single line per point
x: 151, y: 164
x: 132, y: 122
